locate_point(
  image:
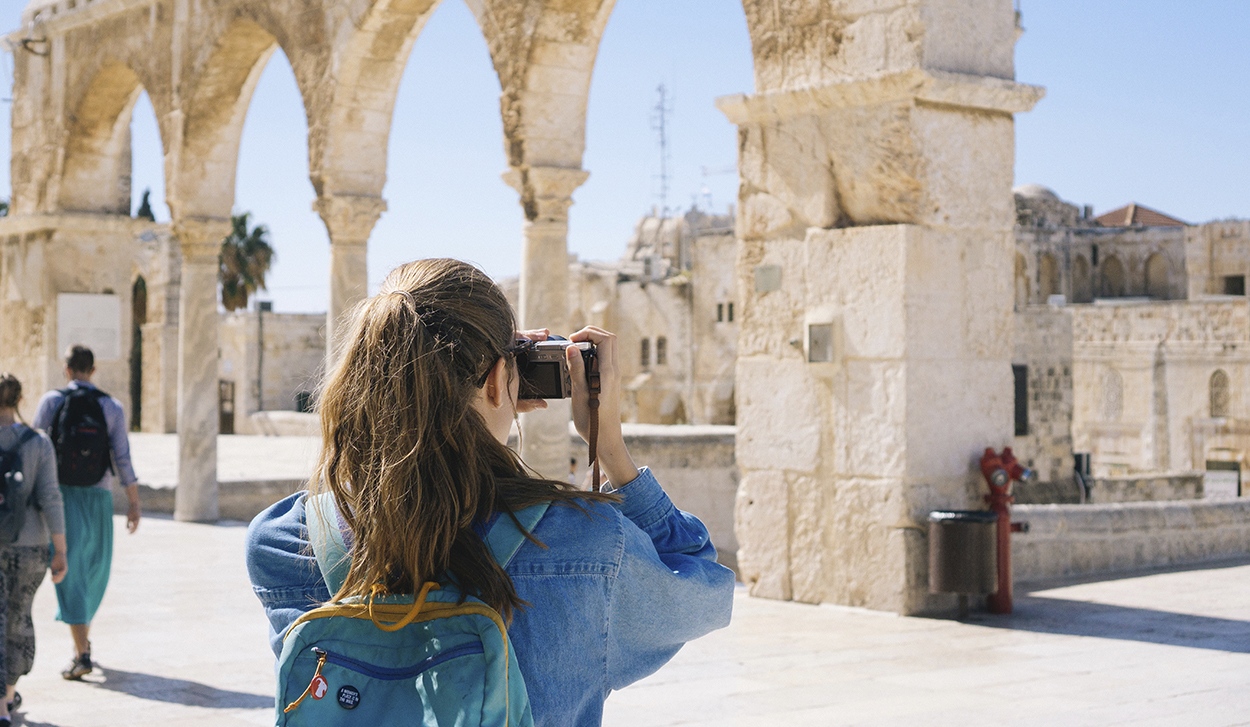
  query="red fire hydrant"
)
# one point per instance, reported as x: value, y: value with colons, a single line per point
x: 999, y: 472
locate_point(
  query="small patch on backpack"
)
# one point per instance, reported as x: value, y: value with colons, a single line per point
x: 349, y: 697
x: 319, y: 687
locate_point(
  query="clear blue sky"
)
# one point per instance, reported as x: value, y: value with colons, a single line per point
x: 1147, y: 101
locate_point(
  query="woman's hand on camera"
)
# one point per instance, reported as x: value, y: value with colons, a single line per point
x: 526, y: 405
x: 614, y: 458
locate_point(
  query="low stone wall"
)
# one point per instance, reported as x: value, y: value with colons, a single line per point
x: 240, y: 501
x: 695, y: 464
x: 1146, y: 488
x: 1106, y: 490
x: 1082, y: 540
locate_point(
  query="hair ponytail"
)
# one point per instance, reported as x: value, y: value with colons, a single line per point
x: 410, y: 462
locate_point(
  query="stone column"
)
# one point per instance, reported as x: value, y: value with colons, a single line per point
x: 349, y: 219
x: 200, y: 239
x: 875, y: 263
x: 546, y: 193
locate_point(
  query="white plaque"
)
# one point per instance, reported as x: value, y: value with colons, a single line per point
x: 90, y: 320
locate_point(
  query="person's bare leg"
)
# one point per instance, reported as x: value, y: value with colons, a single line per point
x: 80, y: 633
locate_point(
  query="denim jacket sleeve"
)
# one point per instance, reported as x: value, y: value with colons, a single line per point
x: 669, y: 588
x: 282, y: 568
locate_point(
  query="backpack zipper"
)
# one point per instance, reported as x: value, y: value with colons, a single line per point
x: 385, y: 674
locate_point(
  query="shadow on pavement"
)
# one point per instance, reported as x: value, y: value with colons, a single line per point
x: 1041, y: 614
x: 178, y: 691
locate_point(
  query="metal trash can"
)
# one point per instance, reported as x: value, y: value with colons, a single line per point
x: 963, y: 553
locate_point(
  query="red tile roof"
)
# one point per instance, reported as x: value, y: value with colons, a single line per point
x: 1135, y: 214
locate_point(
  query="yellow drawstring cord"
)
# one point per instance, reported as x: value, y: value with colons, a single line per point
x: 321, y: 661
x: 416, y: 607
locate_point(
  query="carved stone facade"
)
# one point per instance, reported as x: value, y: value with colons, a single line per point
x: 874, y: 231
x: 1142, y: 360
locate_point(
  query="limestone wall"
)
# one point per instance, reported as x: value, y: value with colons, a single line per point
x: 1083, y: 540
x: 1142, y: 383
x: 1216, y: 251
x: 44, y: 256
x: 1180, y: 486
x: 1084, y: 263
x: 292, y: 358
x: 1043, y: 343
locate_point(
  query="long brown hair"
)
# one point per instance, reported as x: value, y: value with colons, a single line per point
x: 411, y: 463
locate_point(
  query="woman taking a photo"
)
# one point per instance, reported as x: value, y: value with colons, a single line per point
x: 35, y: 501
x: 415, y: 418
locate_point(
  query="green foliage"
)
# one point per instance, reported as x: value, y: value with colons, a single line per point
x: 145, y: 207
x: 245, y: 258
x: 4, y: 208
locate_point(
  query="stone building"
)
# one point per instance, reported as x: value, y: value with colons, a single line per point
x: 1132, y: 340
x: 873, y: 252
x: 670, y: 300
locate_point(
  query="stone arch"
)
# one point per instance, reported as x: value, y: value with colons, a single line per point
x: 545, y: 59
x: 96, y: 172
x: 1114, y: 281
x: 1022, y: 282
x: 1112, y: 395
x: 348, y: 139
x: 1047, y: 277
x: 1082, y: 290
x: 1157, y: 276
x: 1220, y: 395
x: 202, y: 183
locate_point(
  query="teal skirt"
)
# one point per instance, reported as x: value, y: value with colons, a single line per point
x: 89, y: 542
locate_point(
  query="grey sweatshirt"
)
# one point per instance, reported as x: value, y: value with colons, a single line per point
x: 39, y: 472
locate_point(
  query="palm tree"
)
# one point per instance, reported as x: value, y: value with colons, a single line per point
x: 245, y: 258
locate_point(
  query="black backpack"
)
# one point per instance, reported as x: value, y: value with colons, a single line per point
x: 12, y: 514
x: 80, y: 437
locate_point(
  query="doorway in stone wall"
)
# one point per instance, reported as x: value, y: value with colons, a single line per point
x: 138, y: 317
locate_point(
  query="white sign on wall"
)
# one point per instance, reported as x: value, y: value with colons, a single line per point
x: 91, y: 320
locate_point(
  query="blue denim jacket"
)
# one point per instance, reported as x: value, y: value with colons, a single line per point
x: 613, y: 597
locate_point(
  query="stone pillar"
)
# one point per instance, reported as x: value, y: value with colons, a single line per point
x: 349, y: 219
x: 546, y: 193
x: 200, y: 239
x: 875, y: 265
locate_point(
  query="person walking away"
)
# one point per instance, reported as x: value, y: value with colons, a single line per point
x: 88, y: 432
x: 30, y: 509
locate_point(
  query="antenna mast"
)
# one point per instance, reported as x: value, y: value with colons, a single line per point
x: 659, y: 123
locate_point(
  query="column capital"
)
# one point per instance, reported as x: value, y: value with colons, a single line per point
x: 349, y: 218
x: 546, y: 192
x: 200, y: 237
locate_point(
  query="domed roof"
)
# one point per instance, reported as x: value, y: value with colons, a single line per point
x: 1034, y: 191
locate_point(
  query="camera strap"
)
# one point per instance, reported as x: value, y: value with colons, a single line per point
x: 592, y: 379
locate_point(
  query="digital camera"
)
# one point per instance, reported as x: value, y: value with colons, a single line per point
x: 544, y: 371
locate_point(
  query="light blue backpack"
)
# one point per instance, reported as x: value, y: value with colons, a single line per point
x: 401, y: 660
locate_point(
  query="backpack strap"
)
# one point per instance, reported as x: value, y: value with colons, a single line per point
x: 504, y: 539
x: 334, y: 559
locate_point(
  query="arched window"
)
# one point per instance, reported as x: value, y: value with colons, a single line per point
x: 1157, y: 277
x: 1219, y: 394
x: 1022, y: 282
x: 661, y: 351
x: 644, y: 353
x: 1047, y: 277
x: 1112, y: 395
x: 1113, y: 279
x: 1082, y: 291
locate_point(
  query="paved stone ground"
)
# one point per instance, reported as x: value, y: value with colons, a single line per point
x: 181, y: 641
